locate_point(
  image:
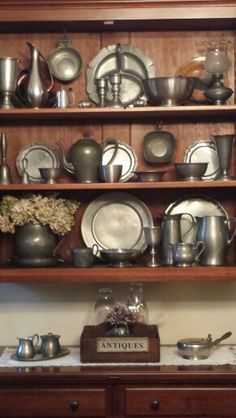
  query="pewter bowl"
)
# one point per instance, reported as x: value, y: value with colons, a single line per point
x: 190, y: 171
x: 50, y: 174
x: 119, y: 257
x: 149, y: 175
x: 169, y: 91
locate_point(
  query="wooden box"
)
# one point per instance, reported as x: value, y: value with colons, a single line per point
x: 142, y: 345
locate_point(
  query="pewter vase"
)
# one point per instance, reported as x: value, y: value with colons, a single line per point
x: 34, y: 242
x: 36, y: 87
x: 171, y: 233
x: 214, y: 231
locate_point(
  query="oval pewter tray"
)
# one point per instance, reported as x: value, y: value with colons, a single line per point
x: 125, y: 59
x: 40, y: 357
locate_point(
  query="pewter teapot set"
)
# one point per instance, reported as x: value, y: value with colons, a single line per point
x: 27, y: 347
x: 212, y: 237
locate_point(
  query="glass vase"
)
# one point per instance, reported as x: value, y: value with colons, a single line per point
x: 136, y: 303
x: 103, y: 305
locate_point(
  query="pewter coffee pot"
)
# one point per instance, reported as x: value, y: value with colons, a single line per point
x: 26, y: 347
x: 214, y: 231
x: 85, y: 158
x: 171, y: 234
x: 36, y: 86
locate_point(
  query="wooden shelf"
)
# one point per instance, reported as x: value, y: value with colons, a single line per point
x: 119, y: 186
x: 122, y: 275
x: 195, y: 112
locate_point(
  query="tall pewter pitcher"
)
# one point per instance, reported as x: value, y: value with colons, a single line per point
x: 214, y: 231
x: 171, y: 234
x: 36, y: 86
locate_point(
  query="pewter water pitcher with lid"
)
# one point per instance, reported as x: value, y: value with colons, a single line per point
x: 171, y: 234
x: 214, y: 231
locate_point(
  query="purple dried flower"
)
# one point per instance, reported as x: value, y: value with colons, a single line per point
x: 120, y: 315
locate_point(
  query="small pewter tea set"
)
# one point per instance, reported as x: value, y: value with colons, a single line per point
x: 49, y: 348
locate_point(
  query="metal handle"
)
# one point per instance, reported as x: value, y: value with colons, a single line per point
x: 74, y: 405
x: 154, y: 405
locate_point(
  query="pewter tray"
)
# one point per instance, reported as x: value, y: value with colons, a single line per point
x: 39, y: 356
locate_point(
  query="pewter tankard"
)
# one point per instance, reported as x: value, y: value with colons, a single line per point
x: 171, y: 234
x: 214, y: 231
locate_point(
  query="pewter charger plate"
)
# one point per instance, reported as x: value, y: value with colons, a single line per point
x: 125, y: 156
x: 116, y: 220
x: 196, y: 206
x: 37, y: 156
x: 204, y: 152
x: 125, y: 59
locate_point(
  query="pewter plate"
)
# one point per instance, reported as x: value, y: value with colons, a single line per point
x: 40, y: 357
x: 196, y: 206
x: 125, y: 156
x: 204, y: 152
x: 116, y: 220
x: 130, y: 62
x: 37, y: 156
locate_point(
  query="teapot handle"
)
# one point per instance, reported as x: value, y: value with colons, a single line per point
x: 113, y: 141
x: 232, y: 219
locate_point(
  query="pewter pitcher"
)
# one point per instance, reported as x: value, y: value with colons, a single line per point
x: 26, y: 346
x: 171, y: 234
x: 214, y: 231
x: 36, y: 86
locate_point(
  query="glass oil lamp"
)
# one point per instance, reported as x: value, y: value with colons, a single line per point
x: 217, y: 63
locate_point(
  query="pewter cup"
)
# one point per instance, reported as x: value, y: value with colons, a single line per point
x: 111, y: 173
x: 9, y: 68
x: 153, y: 237
x: 224, y: 147
x: 214, y: 231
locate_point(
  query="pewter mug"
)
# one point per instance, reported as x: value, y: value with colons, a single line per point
x: 171, y: 233
x: 186, y: 253
x: 26, y: 347
x: 214, y: 231
x: 50, y: 345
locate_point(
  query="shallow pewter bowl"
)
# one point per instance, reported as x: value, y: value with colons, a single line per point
x: 190, y: 171
x: 119, y: 257
x: 169, y: 91
x: 149, y: 175
x: 50, y: 174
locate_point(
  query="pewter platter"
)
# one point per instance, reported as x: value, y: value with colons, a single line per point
x: 116, y: 220
x: 204, y: 152
x: 196, y: 206
x: 37, y: 156
x: 40, y: 357
x: 125, y: 59
x: 125, y: 156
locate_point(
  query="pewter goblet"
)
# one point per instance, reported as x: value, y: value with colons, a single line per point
x: 153, y: 237
x: 224, y: 147
x: 8, y: 79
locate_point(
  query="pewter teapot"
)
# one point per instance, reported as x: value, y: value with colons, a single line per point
x: 85, y: 158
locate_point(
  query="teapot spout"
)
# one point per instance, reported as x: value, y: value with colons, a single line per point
x: 67, y: 165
